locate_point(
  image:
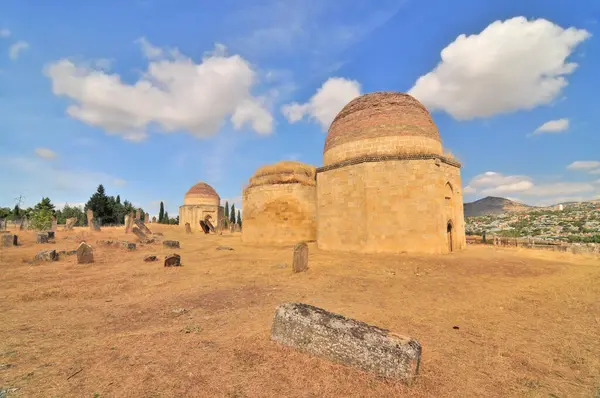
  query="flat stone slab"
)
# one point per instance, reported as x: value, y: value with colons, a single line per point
x: 171, y: 243
x: 224, y: 248
x: 300, y: 258
x: 42, y: 237
x: 347, y: 341
x: 9, y: 240
x: 47, y: 255
x: 150, y: 258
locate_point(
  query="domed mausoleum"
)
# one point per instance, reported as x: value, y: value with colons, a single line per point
x: 279, y: 204
x: 201, y: 203
x: 385, y: 185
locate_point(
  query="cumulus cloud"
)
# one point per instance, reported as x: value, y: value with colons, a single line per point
x: 496, y: 184
x: 4, y: 32
x: 325, y: 104
x: 584, y: 165
x: 511, y: 65
x: 553, y: 126
x: 149, y: 51
x: 45, y: 153
x: 16, y: 49
x: 174, y: 94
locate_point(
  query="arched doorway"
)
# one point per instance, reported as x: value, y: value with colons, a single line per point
x: 449, y: 236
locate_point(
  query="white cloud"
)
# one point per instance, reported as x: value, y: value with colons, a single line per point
x: 584, y: 165
x: 596, y: 171
x: 150, y: 51
x: 553, y: 126
x: 496, y: 184
x: 174, y: 94
x: 45, y: 153
x: 119, y: 182
x: 4, y: 32
x: 511, y: 65
x: 325, y: 104
x: 15, y: 50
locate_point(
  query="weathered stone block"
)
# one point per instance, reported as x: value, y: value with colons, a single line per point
x: 224, y: 248
x: 140, y: 224
x: 173, y: 260
x: 128, y: 245
x: 300, y: 260
x: 137, y: 232
x: 47, y: 255
x: 171, y: 243
x: 50, y: 235
x: 188, y: 228
x: 9, y: 240
x: 150, y: 258
x: 348, y: 341
x: 42, y: 237
x: 67, y: 252
x: 85, y: 254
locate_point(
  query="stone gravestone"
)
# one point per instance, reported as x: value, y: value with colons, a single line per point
x: 129, y: 222
x: 138, y: 214
x: 173, y: 260
x: 126, y: 223
x: 300, y: 260
x: 188, y: 228
x: 70, y: 223
x: 204, y: 227
x: 138, y: 232
x: 47, y: 255
x: 42, y: 237
x: 171, y: 243
x: 140, y: 224
x: 153, y: 220
x: 92, y: 222
x: 147, y: 218
x: 9, y: 240
x: 54, y: 223
x: 85, y: 254
x: 347, y: 341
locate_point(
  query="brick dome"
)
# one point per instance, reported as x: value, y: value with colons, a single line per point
x: 381, y: 124
x: 284, y: 172
x: 201, y: 194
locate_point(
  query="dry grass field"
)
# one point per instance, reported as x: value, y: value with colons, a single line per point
x: 528, y: 321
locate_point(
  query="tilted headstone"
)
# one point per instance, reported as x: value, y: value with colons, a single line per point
x: 54, y: 223
x: 138, y: 214
x: 127, y: 226
x: 300, y: 260
x: 173, y: 260
x: 138, y: 232
x: 209, y: 225
x: 9, y: 240
x: 140, y: 224
x: 50, y: 235
x: 204, y: 227
x: 188, y: 228
x: 47, y: 255
x: 85, y: 254
x: 150, y: 258
x: 347, y: 341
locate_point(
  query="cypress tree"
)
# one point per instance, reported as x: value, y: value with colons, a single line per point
x: 161, y: 213
x: 239, y: 219
x: 226, y: 213
x: 232, y: 219
x: 166, y: 218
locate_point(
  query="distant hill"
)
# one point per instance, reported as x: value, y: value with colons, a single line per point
x: 493, y: 205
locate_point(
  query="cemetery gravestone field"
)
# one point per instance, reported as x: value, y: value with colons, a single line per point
x: 491, y: 321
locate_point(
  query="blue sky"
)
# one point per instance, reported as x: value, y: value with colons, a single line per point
x: 150, y: 96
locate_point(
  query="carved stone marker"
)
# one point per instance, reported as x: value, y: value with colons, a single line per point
x: 138, y: 233
x: 138, y: 214
x: 188, y: 228
x: 70, y: 223
x: 42, y: 237
x: 153, y: 220
x: 127, y: 224
x: 204, y: 227
x: 147, y: 218
x: 140, y: 224
x: 150, y: 258
x: 50, y: 235
x: 54, y: 224
x: 85, y: 254
x: 9, y: 240
x: 90, y: 219
x: 47, y: 255
x: 171, y: 243
x: 348, y: 341
x: 300, y: 260
x: 174, y: 260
